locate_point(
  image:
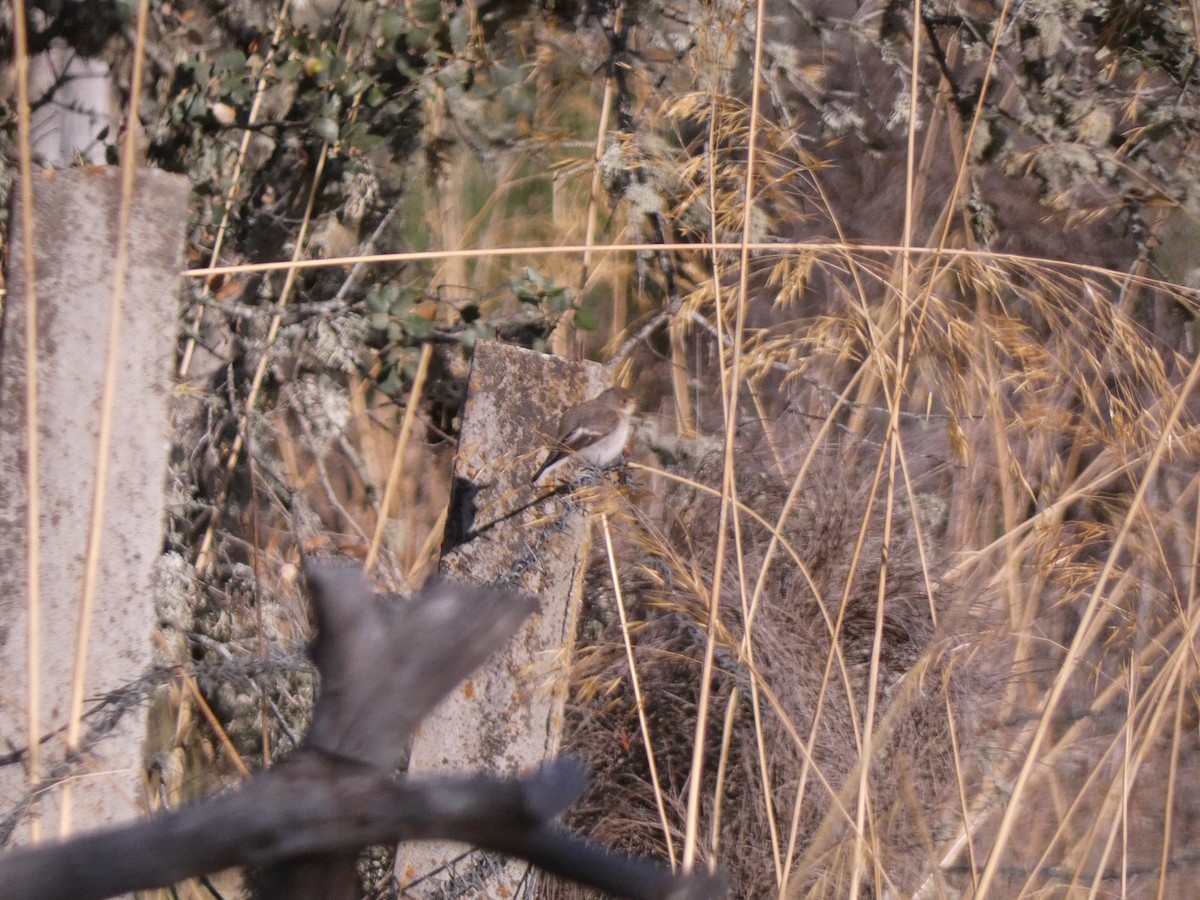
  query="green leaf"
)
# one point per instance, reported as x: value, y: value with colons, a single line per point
x: 507, y: 75
x: 353, y: 84
x: 239, y: 92
x: 375, y: 302
x: 289, y: 70
x: 393, y: 24
x: 427, y: 11
x: 196, y: 108
x: 419, y: 37
x: 417, y: 327
x: 559, y: 300
x: 585, y: 319
x: 366, y: 141
x: 402, y: 303
x: 201, y: 70
x: 231, y: 61
x: 459, y: 33
x: 392, y: 383
x: 326, y: 129
x: 454, y: 75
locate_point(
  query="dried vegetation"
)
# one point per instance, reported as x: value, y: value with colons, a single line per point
x: 923, y: 354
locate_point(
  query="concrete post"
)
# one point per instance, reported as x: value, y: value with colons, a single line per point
x: 75, y: 221
x: 507, y: 718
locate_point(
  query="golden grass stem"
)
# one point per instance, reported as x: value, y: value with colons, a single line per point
x: 108, y: 393
x: 812, y: 765
x: 722, y: 766
x: 214, y: 723
x: 643, y: 724
x: 685, y: 412
x: 429, y: 546
x: 864, y: 820
x: 1169, y: 795
x: 260, y: 86
x: 1180, y: 695
x: 747, y: 651
x: 205, y: 556
x: 1084, y: 633
x: 691, y: 823
x: 1127, y: 778
x: 1167, y: 677
x: 393, y: 481
x: 767, y: 249
x: 33, y: 515
x: 891, y: 441
x: 728, y: 489
x: 780, y: 540
x: 961, y: 174
x: 910, y: 163
x: 1081, y: 849
x: 918, y: 533
x: 963, y: 803
x: 1098, y: 478
x: 1118, y: 822
x: 589, y: 235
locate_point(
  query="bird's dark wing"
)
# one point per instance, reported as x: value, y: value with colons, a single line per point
x: 597, y: 424
x: 580, y: 426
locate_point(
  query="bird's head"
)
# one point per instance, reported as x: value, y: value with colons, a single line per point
x: 620, y: 399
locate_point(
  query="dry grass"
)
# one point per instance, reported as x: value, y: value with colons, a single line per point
x: 916, y: 613
x: 984, y: 466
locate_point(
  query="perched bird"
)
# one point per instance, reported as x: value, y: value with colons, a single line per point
x: 594, y: 431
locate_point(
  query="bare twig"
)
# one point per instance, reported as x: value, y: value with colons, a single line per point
x: 384, y: 666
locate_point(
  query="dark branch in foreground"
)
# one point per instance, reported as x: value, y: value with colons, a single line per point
x: 384, y: 666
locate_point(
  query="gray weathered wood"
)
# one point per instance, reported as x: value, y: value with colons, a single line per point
x: 75, y: 221
x: 508, y: 716
x: 384, y: 663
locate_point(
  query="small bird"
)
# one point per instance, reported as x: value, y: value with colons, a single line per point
x: 595, y: 431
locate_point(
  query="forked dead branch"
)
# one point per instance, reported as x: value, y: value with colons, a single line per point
x: 384, y: 665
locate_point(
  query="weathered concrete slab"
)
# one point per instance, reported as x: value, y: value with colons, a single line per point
x: 75, y: 220
x: 76, y: 106
x: 506, y: 718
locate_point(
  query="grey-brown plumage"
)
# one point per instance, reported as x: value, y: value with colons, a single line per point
x: 595, y: 431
